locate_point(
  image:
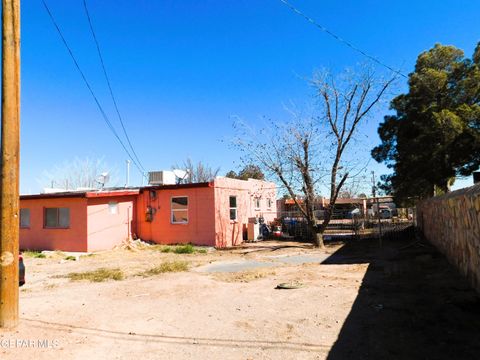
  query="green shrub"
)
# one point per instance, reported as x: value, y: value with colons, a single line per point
x: 184, y: 249
x: 34, y: 254
x: 179, y: 249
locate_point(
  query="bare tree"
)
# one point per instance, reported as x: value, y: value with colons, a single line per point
x: 78, y: 173
x: 290, y: 153
x: 309, y: 150
x: 197, y: 172
x: 344, y: 104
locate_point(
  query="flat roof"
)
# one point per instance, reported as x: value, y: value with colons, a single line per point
x: 83, y: 194
x: 113, y: 191
x: 177, y: 186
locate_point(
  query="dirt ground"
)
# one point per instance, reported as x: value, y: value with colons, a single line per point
x: 357, y: 301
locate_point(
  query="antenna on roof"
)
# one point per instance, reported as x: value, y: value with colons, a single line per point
x: 181, y: 174
x: 128, y: 174
x: 103, y: 178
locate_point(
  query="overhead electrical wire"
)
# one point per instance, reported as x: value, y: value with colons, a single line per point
x: 338, y: 38
x: 100, y: 108
x: 109, y: 84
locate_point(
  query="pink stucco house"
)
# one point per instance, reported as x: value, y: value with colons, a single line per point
x: 76, y: 221
x: 213, y: 213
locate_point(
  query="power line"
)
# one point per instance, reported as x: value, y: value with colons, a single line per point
x: 338, y: 38
x: 104, y: 115
x: 108, y: 83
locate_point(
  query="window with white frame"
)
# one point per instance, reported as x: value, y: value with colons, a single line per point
x: 56, y: 218
x: 257, y: 203
x: 269, y: 203
x: 179, y: 206
x: 233, y: 208
x: 113, y: 207
x: 24, y: 218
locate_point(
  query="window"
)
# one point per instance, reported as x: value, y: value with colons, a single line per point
x: 233, y: 208
x: 113, y: 207
x: 269, y: 203
x: 24, y: 218
x: 179, y: 210
x: 57, y: 218
x: 257, y: 203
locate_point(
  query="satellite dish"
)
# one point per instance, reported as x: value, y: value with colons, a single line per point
x: 103, y: 178
x: 181, y: 174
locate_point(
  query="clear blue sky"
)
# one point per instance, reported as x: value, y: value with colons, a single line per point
x: 182, y: 69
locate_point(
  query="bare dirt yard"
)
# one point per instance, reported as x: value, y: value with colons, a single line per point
x: 350, y: 301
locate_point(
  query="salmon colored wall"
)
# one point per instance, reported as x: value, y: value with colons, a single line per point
x: 38, y: 238
x: 93, y: 227
x: 106, y: 230
x: 200, y: 229
x: 228, y: 232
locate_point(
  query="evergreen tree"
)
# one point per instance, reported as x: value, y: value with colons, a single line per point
x: 435, y: 134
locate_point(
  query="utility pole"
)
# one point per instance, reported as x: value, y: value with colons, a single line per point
x: 10, y: 160
x: 377, y: 200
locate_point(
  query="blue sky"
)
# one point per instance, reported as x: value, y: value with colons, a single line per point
x: 182, y: 69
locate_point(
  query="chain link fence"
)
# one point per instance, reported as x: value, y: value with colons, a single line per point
x: 346, y: 225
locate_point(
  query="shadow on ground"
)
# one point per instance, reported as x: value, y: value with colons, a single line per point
x: 412, y: 304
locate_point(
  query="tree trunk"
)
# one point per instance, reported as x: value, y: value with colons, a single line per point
x: 445, y: 188
x: 316, y: 236
x: 319, y: 240
x: 442, y: 188
x: 321, y: 229
x: 326, y: 221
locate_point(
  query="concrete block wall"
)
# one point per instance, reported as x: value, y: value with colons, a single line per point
x: 451, y: 222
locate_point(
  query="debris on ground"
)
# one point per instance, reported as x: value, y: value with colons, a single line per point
x: 290, y: 285
x: 133, y: 245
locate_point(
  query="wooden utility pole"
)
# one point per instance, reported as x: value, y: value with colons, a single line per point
x: 10, y: 160
x: 377, y: 200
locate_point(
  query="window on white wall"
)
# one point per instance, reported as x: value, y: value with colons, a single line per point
x: 113, y: 207
x: 269, y: 203
x: 179, y: 208
x: 257, y: 203
x: 233, y: 208
x: 56, y: 218
x: 24, y: 218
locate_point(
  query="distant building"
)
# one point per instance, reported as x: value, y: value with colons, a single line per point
x: 343, y: 206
